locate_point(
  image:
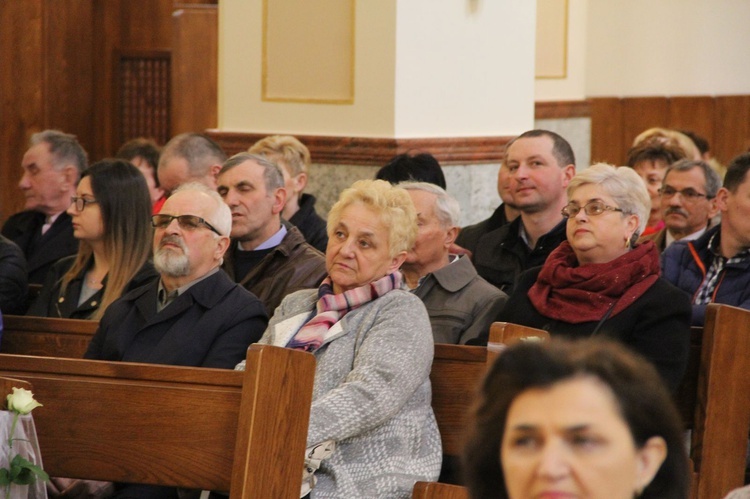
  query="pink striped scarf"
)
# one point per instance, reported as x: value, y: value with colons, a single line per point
x: 331, y: 308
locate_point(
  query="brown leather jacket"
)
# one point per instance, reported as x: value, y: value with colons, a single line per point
x: 291, y: 266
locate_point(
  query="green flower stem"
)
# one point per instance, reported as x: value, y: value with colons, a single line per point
x: 10, y: 449
x: 12, y: 431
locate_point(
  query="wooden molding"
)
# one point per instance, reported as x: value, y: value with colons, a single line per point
x: 562, y: 109
x: 378, y: 151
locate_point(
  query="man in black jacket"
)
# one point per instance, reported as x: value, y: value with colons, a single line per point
x: 540, y: 164
x: 52, y: 167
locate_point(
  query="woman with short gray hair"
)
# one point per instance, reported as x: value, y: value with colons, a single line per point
x: 599, y: 282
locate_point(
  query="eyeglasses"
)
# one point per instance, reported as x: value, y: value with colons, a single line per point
x: 591, y: 209
x: 80, y: 203
x: 688, y: 194
x: 186, y: 222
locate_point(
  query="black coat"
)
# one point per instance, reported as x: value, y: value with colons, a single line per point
x: 501, y: 255
x: 310, y: 224
x: 51, y: 303
x: 13, y: 285
x: 41, y: 250
x: 209, y: 325
x: 470, y: 235
x: 656, y: 325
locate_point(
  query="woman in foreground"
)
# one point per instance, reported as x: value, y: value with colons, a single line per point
x: 373, y: 347
x: 111, y: 219
x: 599, y: 282
x: 575, y: 419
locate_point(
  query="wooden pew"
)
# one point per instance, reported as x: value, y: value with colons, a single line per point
x: 505, y: 334
x: 6, y: 388
x: 46, y: 337
x: 456, y: 373
x: 196, y: 428
x: 437, y: 490
x: 721, y: 417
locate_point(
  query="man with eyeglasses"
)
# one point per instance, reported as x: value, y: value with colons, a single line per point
x: 268, y: 255
x: 193, y: 315
x: 51, y: 167
x: 715, y: 268
x: 687, y: 201
x: 539, y: 164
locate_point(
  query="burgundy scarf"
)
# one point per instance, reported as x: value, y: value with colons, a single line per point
x: 571, y: 293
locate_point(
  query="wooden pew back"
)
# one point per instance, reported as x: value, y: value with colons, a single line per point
x: 456, y: 373
x: 166, y: 425
x: 6, y: 388
x: 722, y: 405
x: 46, y: 337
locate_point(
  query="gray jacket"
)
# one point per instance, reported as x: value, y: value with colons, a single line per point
x: 372, y: 395
x: 461, y: 305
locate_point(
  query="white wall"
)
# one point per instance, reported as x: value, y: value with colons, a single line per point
x: 654, y: 47
x: 240, y: 60
x: 423, y: 68
x: 668, y: 47
x: 464, y: 67
x: 573, y: 86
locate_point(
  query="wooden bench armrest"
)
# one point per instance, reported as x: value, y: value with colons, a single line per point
x: 437, y: 490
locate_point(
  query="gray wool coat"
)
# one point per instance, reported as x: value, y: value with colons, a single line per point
x: 371, y: 395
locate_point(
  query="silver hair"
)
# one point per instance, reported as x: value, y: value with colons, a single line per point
x: 272, y: 175
x: 713, y: 181
x: 447, y: 209
x: 64, y: 147
x: 221, y: 217
x: 623, y: 185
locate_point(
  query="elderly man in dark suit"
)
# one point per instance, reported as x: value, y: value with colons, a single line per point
x: 194, y: 315
x: 52, y: 167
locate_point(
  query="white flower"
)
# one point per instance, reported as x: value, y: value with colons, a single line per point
x: 22, y: 401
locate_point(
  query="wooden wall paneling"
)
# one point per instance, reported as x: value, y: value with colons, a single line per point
x: 21, y: 93
x: 107, y: 32
x: 143, y: 88
x: 732, y: 133
x: 146, y: 24
x: 562, y: 109
x: 195, y: 52
x: 694, y: 113
x: 68, y: 41
x: 606, y: 130
x: 640, y: 114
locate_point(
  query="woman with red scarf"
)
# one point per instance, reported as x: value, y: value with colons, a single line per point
x: 599, y: 282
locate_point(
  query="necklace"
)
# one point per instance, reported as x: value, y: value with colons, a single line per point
x: 92, y: 282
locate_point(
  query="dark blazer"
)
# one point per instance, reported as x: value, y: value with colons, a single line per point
x: 13, y: 285
x: 209, y: 325
x: 51, y: 303
x: 310, y: 224
x: 656, y: 325
x: 470, y: 235
x: 501, y: 255
x: 41, y: 250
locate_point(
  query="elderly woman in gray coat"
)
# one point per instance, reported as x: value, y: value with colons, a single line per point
x: 373, y: 346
